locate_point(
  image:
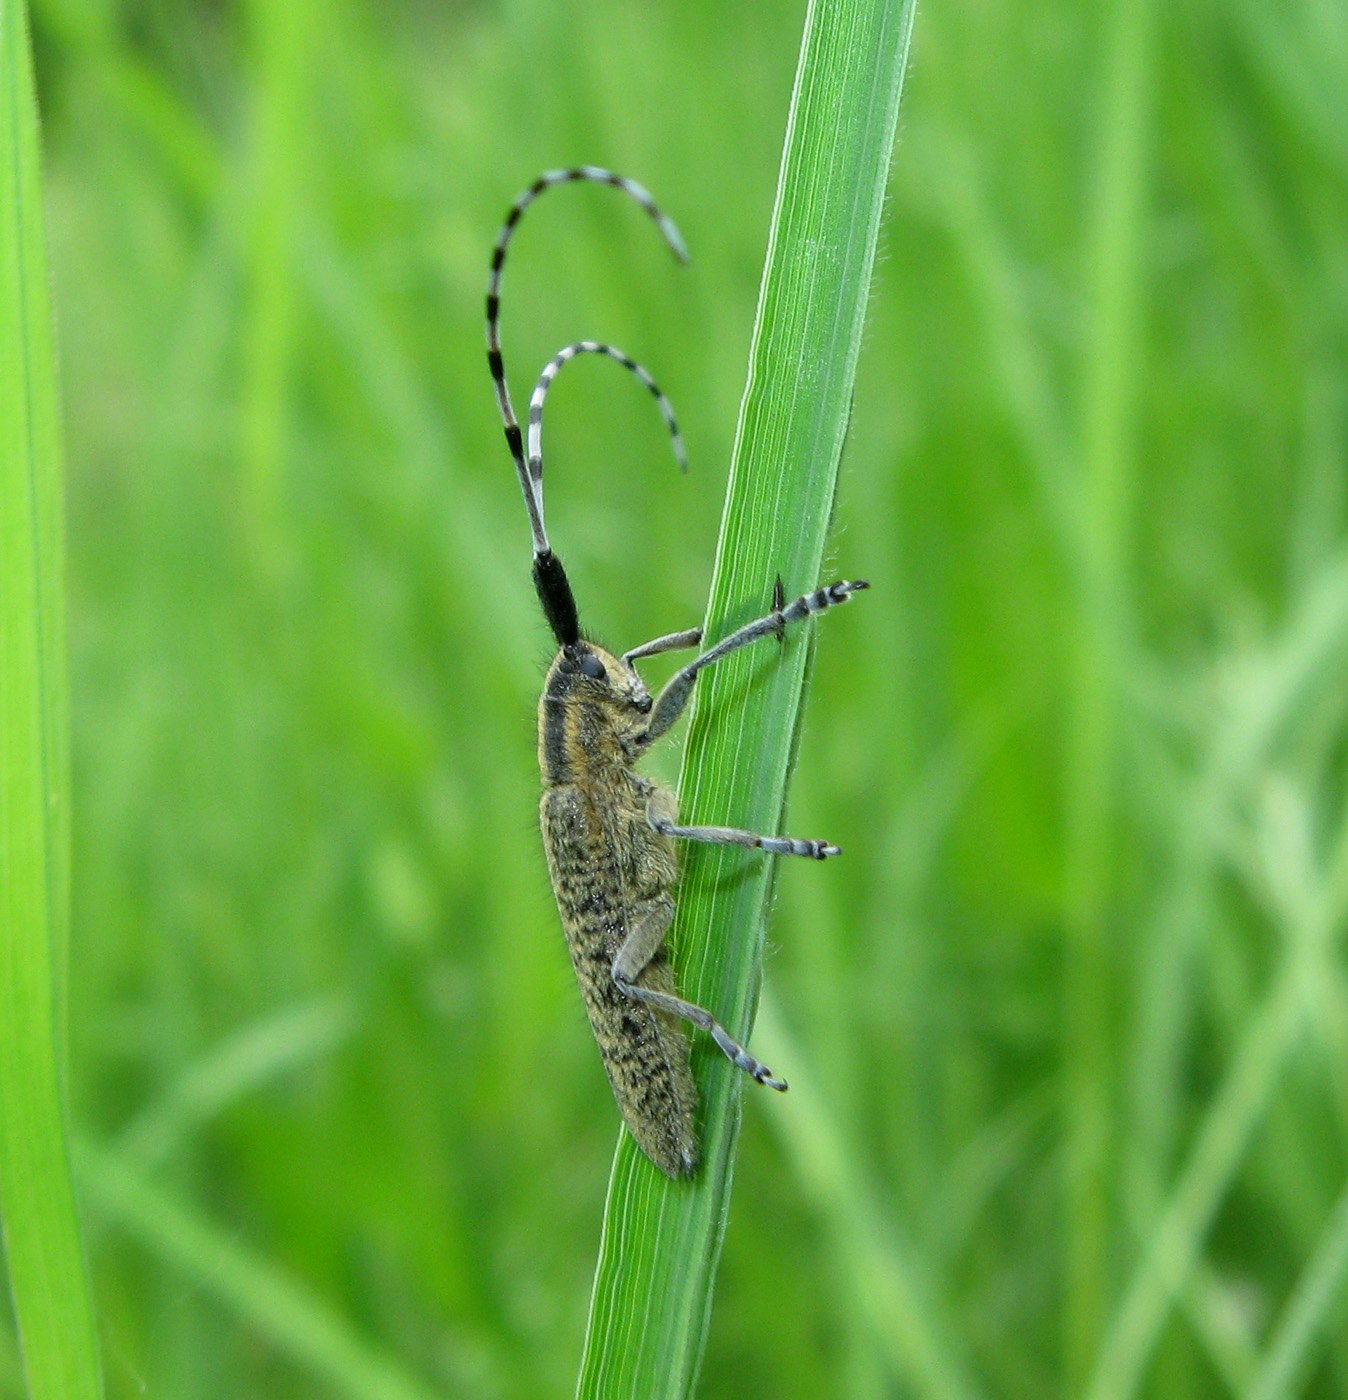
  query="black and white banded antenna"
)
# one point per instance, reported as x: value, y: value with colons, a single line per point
x: 550, y: 371
x: 550, y: 580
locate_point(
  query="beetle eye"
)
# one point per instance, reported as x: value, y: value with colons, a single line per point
x: 592, y: 666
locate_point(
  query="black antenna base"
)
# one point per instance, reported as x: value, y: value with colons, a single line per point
x: 559, y: 603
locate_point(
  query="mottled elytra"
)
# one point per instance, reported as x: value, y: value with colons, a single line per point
x: 609, y: 834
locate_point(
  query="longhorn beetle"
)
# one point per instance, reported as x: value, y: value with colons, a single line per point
x: 608, y: 832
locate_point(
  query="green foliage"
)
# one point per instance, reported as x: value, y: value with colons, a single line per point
x: 662, y: 1239
x: 1065, y: 1026
x: 43, y: 1260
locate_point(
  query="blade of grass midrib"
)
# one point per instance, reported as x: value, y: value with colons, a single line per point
x: 662, y: 1239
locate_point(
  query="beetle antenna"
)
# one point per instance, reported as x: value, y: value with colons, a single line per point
x: 550, y: 372
x: 550, y: 579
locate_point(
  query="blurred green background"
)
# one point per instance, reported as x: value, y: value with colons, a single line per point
x: 1067, y: 1027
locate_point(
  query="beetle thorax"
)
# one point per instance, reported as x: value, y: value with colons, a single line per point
x: 591, y: 716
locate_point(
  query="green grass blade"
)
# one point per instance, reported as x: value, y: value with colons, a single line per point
x: 661, y: 1240
x: 1308, y: 1315
x: 247, y: 1059
x: 275, y: 1304
x: 41, y: 1231
x: 889, y: 1280
x: 1225, y: 1132
x: 1111, y: 376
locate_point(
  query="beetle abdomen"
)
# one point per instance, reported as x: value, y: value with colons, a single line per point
x: 645, y: 1052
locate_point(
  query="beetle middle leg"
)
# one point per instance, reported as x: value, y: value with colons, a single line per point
x: 737, y: 836
x: 645, y: 933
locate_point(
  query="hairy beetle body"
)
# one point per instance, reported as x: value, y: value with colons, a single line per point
x: 609, y: 834
x: 607, y: 863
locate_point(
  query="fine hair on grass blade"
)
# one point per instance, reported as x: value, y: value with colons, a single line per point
x: 661, y: 1239
x: 42, y: 1244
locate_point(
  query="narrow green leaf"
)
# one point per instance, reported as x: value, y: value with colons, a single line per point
x: 1308, y: 1315
x: 42, y: 1238
x: 662, y: 1239
x: 275, y: 1304
x: 1224, y: 1133
x: 889, y: 1279
x: 1098, y: 646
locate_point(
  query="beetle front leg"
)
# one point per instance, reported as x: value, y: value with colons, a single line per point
x: 671, y: 641
x: 670, y: 703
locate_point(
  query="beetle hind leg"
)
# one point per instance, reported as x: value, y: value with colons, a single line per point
x: 645, y: 935
x: 725, y: 1042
